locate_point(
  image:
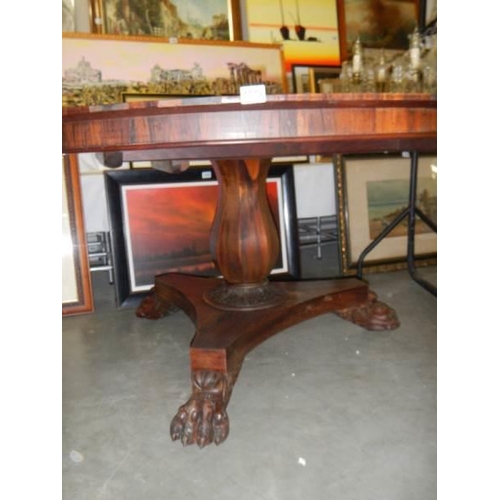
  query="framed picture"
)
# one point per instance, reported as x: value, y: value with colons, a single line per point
x: 68, y: 16
x: 371, y: 191
x: 428, y: 14
x: 301, y: 79
x: 380, y: 24
x: 99, y: 69
x: 322, y: 78
x: 307, y: 31
x: 161, y: 223
x: 305, y: 79
x: 77, y: 295
x: 192, y: 19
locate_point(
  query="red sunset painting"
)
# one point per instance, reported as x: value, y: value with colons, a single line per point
x: 168, y: 228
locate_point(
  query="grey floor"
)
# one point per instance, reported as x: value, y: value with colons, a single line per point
x: 323, y: 410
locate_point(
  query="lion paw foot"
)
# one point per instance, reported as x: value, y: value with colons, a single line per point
x: 203, y: 419
x: 153, y: 307
x: 373, y: 315
x: 197, y: 422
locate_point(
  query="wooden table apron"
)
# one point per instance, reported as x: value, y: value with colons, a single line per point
x: 234, y: 314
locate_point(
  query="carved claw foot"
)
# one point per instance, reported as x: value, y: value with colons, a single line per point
x: 373, y: 315
x: 153, y: 307
x: 203, y: 419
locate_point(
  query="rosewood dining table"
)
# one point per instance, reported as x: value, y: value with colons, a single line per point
x: 234, y: 313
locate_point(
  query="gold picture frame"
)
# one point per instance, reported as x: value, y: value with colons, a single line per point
x: 371, y: 191
x: 191, y: 23
x: 98, y: 69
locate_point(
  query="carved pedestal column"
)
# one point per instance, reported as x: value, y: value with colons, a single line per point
x: 244, y: 239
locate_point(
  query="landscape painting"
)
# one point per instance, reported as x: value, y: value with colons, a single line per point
x: 387, y: 199
x: 372, y: 192
x: 195, y: 19
x: 99, y: 69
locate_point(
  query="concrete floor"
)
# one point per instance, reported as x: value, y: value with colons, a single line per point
x: 324, y: 410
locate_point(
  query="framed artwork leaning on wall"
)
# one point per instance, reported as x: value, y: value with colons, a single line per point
x: 161, y: 223
x: 371, y: 191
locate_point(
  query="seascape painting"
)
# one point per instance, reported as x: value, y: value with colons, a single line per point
x: 388, y: 198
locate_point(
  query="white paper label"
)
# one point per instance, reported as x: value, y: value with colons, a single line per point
x: 252, y: 94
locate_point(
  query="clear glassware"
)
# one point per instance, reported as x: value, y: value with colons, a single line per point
x: 429, y: 67
x: 397, y: 81
x: 346, y: 77
x: 414, y: 63
x: 369, y: 81
x: 381, y: 74
x: 429, y: 80
x: 415, y: 49
x: 357, y: 65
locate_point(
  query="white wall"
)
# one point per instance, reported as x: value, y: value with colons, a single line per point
x: 314, y: 190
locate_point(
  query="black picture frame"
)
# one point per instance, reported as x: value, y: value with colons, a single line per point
x: 137, y: 258
x: 319, y: 73
x: 427, y: 15
x: 300, y: 79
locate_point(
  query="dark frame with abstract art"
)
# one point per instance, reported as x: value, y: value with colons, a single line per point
x: 161, y: 223
x: 371, y: 191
